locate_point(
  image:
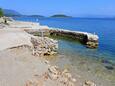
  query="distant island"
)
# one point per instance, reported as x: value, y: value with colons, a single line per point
x: 40, y: 16
x: 61, y: 16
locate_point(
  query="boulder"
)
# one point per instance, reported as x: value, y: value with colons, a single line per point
x: 44, y: 46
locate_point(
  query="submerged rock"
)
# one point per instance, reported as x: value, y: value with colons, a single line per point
x: 63, y: 77
x: 109, y: 67
x: 53, y: 75
x: 105, y: 61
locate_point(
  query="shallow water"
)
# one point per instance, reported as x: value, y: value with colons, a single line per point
x: 93, y: 64
x: 81, y: 64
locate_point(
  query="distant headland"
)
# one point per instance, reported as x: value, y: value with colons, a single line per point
x: 61, y: 16
x: 13, y: 13
x: 8, y: 12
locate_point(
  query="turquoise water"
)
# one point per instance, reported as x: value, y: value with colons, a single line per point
x: 104, y: 28
x: 94, y: 64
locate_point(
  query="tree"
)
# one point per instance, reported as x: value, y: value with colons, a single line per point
x: 1, y: 12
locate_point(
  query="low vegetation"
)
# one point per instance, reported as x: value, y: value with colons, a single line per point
x: 1, y: 12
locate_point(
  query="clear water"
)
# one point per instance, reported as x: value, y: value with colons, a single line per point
x: 79, y: 58
x: 104, y: 28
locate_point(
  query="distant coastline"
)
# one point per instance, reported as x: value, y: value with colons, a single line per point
x: 61, y: 16
x: 13, y: 13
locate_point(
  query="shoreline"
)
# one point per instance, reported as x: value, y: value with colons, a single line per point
x: 43, y: 76
x: 18, y: 48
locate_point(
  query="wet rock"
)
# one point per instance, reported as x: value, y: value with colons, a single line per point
x: 92, y: 45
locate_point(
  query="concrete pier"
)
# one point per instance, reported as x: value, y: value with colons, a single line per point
x: 88, y: 39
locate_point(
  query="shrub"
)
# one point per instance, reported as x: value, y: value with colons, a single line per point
x: 1, y: 12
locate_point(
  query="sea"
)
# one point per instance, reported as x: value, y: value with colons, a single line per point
x: 98, y: 64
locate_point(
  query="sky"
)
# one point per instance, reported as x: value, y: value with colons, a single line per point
x: 68, y: 7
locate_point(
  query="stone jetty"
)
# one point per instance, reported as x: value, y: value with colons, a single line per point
x: 88, y: 39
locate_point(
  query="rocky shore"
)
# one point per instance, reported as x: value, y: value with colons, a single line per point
x: 22, y: 62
